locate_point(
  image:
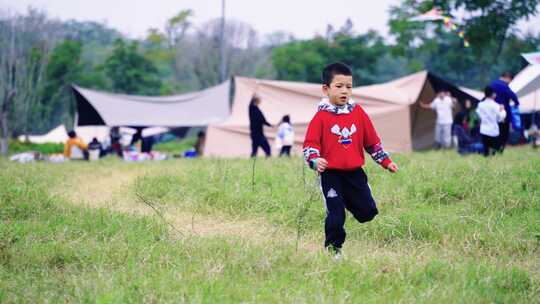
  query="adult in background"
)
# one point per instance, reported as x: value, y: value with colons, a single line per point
x: 256, y: 123
x: 490, y: 113
x: 507, y: 98
x: 442, y: 105
x: 115, y: 136
x: 199, y: 144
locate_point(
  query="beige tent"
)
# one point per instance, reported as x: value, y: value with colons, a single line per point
x: 392, y: 106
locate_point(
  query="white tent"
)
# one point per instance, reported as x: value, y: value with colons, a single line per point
x: 87, y: 133
x: 57, y: 135
x: 530, y: 103
x: 526, y: 85
x: 532, y: 58
x: 526, y: 81
x: 95, y: 108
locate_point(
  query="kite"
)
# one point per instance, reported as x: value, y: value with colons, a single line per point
x: 435, y: 15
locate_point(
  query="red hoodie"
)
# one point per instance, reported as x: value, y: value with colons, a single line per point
x: 340, y: 135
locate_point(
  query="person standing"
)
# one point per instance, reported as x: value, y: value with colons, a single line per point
x: 256, y: 123
x: 490, y: 114
x: 285, y: 136
x: 334, y: 146
x: 507, y: 98
x: 199, y: 144
x: 443, y: 105
x: 115, y: 137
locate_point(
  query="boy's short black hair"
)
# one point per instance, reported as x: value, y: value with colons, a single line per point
x: 333, y: 69
x: 72, y: 134
x: 286, y: 119
x: 507, y: 75
x: 488, y: 92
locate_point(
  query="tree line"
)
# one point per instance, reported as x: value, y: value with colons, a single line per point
x: 41, y: 57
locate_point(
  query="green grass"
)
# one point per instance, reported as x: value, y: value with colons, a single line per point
x: 450, y: 229
x: 176, y: 146
x: 48, y: 148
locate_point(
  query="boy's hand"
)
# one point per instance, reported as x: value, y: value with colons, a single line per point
x: 321, y: 164
x: 392, y: 167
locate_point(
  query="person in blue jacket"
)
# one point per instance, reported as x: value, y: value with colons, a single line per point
x: 507, y: 98
x: 256, y: 123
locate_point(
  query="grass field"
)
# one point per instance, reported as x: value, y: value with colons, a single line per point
x: 451, y: 229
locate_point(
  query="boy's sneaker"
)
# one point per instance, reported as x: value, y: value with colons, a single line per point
x: 335, y: 252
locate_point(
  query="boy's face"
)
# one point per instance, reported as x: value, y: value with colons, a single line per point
x: 340, y: 90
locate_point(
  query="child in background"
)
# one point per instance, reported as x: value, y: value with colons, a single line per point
x: 491, y: 114
x: 285, y: 136
x: 334, y: 146
x: 75, y: 141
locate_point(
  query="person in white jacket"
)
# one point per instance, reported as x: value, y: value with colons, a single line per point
x: 285, y: 136
x: 491, y: 114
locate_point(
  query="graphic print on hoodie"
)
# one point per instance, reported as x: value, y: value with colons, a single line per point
x: 340, y: 134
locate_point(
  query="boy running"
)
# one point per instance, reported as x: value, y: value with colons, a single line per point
x: 334, y: 146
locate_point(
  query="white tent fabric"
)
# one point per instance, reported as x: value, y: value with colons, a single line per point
x: 87, y: 133
x: 530, y: 103
x: 532, y: 58
x: 193, y: 109
x: 57, y: 135
x: 526, y: 81
x: 477, y: 94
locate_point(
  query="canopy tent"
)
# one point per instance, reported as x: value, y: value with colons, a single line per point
x: 393, y: 107
x: 192, y: 109
x: 476, y: 94
x: 526, y: 85
x: 532, y: 58
x: 526, y: 81
x: 57, y: 135
x: 530, y: 103
x: 87, y: 133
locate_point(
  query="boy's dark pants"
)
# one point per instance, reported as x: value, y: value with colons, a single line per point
x: 345, y: 190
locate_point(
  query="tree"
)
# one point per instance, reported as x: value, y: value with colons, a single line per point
x: 25, y: 41
x: 304, y: 60
x: 198, y: 55
x: 88, y: 32
x: 131, y: 72
x: 177, y: 27
x: 63, y: 69
x: 487, y: 25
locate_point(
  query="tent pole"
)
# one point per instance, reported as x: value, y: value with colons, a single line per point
x: 223, y: 70
x: 534, y: 119
x: 534, y: 107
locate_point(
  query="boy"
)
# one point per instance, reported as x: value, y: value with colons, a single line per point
x: 491, y: 114
x: 334, y: 144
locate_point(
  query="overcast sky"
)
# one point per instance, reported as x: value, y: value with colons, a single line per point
x: 302, y: 18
